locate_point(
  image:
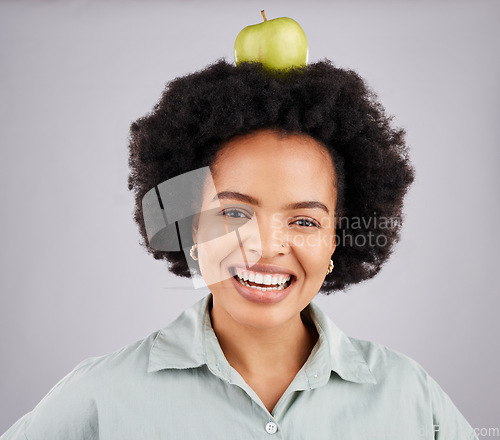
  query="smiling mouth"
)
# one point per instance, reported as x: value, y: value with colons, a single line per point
x: 260, y: 280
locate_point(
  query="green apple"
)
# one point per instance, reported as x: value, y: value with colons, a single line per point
x: 278, y: 44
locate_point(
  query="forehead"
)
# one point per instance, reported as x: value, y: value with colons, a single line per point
x: 267, y: 160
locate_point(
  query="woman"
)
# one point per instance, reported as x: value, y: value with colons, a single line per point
x: 272, y: 187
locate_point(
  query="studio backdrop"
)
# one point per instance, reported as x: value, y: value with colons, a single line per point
x: 75, y: 281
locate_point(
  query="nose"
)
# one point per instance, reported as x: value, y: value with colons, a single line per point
x: 267, y: 238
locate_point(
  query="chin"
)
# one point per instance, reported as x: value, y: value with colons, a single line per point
x: 256, y: 309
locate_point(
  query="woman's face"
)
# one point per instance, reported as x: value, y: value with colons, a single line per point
x: 271, y: 192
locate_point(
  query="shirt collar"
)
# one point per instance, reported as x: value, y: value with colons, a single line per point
x: 190, y: 342
x: 345, y: 359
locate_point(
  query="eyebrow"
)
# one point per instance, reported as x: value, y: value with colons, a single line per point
x: 253, y: 201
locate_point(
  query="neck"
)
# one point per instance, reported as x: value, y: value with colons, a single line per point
x: 264, y: 352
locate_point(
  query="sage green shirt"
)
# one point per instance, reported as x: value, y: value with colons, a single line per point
x: 177, y: 384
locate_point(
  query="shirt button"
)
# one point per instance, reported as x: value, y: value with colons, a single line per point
x: 271, y: 428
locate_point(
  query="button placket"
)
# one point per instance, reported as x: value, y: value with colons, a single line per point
x: 271, y: 427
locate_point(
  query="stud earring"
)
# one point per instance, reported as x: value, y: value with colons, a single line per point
x: 330, y: 267
x: 192, y: 251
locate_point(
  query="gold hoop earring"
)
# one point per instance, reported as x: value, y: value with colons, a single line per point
x: 330, y: 267
x: 192, y: 251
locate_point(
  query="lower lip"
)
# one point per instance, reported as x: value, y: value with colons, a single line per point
x: 259, y: 296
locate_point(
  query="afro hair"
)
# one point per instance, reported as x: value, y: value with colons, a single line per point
x: 198, y: 113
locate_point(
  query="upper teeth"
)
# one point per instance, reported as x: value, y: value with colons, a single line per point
x: 262, y: 278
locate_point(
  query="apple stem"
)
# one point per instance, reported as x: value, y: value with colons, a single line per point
x: 263, y: 14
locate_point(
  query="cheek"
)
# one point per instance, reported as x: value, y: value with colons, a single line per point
x: 221, y: 244
x: 313, y: 252
x: 212, y: 253
x: 216, y: 254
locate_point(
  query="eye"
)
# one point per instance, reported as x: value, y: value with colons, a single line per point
x: 306, y: 222
x: 235, y: 213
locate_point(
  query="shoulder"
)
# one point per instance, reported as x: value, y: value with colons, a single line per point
x: 90, y: 373
x: 70, y: 409
x: 394, y: 371
x: 399, y: 375
x: 128, y: 359
x: 99, y: 377
x: 389, y: 364
x: 126, y: 362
